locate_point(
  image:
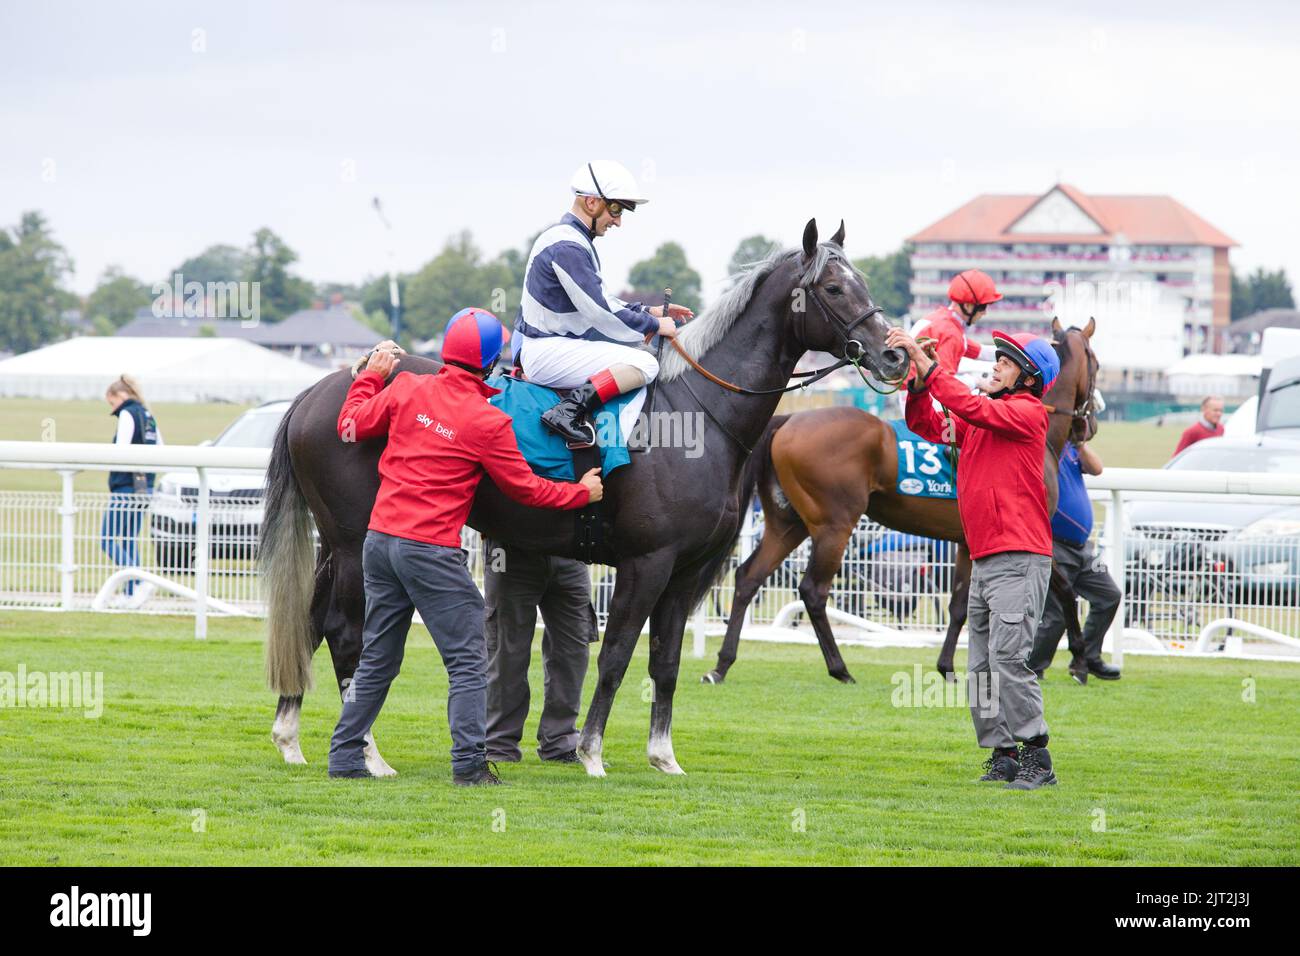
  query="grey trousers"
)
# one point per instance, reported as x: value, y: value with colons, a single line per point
x: 402, y: 575
x: 1087, y: 574
x: 516, y: 585
x: 1006, y: 600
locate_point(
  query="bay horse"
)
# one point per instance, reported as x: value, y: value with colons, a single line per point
x: 818, y: 472
x: 670, y: 518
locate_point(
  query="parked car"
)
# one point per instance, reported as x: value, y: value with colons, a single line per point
x: 1193, y: 559
x: 236, y: 498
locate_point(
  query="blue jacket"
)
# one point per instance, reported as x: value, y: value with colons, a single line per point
x: 1073, y: 519
x: 564, y: 296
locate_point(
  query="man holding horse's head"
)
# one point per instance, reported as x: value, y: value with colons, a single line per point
x: 1003, y: 506
x: 572, y: 334
x: 443, y: 437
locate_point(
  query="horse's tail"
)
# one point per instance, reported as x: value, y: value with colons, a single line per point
x: 285, y: 561
x: 758, y: 468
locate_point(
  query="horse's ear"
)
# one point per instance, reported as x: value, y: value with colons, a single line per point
x: 838, y: 238
x: 1090, y: 327
x: 1057, y: 330
x: 810, y: 238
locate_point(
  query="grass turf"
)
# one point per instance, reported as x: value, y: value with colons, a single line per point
x: 1171, y: 765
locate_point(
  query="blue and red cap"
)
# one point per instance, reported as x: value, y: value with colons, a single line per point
x: 1032, y: 353
x: 474, y: 338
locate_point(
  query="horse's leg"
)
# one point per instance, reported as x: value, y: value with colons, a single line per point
x: 956, y: 611
x: 827, y: 554
x: 344, y: 624
x: 667, y: 625
x: 637, y: 587
x: 777, y: 542
x: 288, y: 711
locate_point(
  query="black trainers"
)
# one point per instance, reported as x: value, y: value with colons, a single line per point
x: 999, y: 768
x: 569, y: 756
x: 1035, y: 769
x: 485, y: 775
x: 359, y: 774
x: 1103, y: 671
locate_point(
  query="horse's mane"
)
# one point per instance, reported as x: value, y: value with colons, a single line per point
x: 707, y: 329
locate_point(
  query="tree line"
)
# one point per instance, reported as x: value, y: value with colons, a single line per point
x: 35, y: 267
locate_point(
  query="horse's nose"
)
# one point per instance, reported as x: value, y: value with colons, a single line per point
x: 895, y: 357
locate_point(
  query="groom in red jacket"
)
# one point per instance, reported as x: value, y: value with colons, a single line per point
x: 443, y: 437
x: 1003, y: 506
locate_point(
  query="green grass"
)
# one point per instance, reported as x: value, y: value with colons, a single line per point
x: 1136, y: 444
x: 1184, y: 770
x: 31, y: 419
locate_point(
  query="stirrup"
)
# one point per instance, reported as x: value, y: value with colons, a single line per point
x: 576, y: 445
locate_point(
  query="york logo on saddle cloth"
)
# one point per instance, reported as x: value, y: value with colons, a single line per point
x: 438, y: 427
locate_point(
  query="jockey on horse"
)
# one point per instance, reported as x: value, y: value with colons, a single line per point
x: 569, y: 333
x: 969, y: 295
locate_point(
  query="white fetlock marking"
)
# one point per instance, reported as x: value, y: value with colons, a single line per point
x: 591, y: 759
x: 660, y: 751
x: 284, y: 732
x: 374, y: 762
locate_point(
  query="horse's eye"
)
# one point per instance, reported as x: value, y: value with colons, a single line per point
x: 834, y: 289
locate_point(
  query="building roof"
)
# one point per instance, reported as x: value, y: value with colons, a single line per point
x: 309, y: 327
x: 1140, y: 220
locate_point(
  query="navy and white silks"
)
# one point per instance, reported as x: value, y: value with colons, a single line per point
x: 568, y: 328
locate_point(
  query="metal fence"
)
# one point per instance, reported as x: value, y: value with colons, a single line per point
x: 1187, y: 589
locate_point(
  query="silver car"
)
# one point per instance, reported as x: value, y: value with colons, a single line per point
x: 236, y: 498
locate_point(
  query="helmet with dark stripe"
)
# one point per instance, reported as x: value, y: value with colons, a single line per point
x: 1033, y: 354
x: 474, y: 339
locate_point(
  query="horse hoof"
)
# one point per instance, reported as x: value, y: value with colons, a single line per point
x: 594, y: 765
x: 379, y: 767
x: 844, y: 678
x: 712, y: 677
x: 291, y: 750
x: 668, y: 766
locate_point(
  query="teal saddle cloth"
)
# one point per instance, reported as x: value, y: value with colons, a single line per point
x: 925, y: 470
x: 545, y: 451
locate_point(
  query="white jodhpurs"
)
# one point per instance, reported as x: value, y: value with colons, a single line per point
x: 558, y: 362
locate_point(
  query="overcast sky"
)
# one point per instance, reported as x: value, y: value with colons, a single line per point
x: 148, y: 131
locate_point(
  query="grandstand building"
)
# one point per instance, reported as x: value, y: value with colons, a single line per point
x: 1065, y: 251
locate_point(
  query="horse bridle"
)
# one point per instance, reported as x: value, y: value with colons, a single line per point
x: 854, y: 353
x: 1084, y: 409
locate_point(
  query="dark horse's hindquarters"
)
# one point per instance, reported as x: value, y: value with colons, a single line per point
x: 673, y: 520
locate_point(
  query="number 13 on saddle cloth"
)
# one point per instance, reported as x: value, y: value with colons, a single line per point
x: 925, y: 470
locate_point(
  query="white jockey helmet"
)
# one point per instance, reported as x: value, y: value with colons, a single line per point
x: 608, y: 180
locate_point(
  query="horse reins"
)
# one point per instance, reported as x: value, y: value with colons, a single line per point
x: 853, y: 355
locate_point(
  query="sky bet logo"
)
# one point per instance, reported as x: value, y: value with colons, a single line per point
x: 438, y: 427
x: 103, y: 909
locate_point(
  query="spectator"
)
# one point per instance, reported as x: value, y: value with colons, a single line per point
x: 128, y: 491
x: 1209, y: 425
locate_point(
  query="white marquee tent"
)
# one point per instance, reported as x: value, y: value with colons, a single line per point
x: 168, y: 370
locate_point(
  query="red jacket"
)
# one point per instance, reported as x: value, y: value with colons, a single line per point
x: 946, y: 328
x: 442, y: 437
x: 1000, y: 491
x: 1197, y: 432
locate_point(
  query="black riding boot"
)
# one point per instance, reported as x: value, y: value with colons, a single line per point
x: 570, y: 418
